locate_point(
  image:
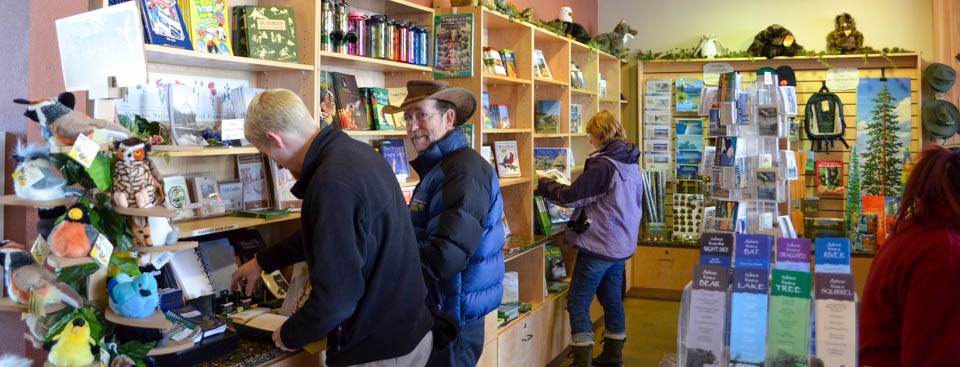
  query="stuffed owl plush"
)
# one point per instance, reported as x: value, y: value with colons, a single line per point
x: 60, y: 124
x: 135, y: 185
x: 34, y: 178
x: 709, y: 47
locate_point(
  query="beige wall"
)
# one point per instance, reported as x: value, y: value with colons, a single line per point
x: 664, y: 25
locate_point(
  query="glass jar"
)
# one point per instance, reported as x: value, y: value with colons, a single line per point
x: 424, y: 46
x: 390, y: 39
x: 402, y: 38
x: 357, y: 25
x: 377, y: 36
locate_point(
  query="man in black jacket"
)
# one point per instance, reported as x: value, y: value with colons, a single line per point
x: 367, y: 291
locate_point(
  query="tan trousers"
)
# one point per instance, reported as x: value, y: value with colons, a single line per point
x: 416, y: 358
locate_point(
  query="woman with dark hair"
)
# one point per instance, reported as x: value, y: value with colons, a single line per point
x: 910, y: 311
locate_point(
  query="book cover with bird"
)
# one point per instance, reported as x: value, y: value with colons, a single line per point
x: 507, y: 158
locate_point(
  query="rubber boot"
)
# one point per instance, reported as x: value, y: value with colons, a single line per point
x: 612, y: 354
x: 582, y: 354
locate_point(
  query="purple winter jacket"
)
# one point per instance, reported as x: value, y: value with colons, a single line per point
x: 609, y: 192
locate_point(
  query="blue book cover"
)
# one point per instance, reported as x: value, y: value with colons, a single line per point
x: 547, y: 115
x: 748, y: 320
x: 163, y: 24
x: 395, y: 153
x: 753, y: 251
x: 545, y: 159
x: 485, y: 110
x: 716, y: 249
x: 832, y: 255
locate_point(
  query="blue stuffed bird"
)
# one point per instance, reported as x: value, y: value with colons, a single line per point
x: 135, y: 298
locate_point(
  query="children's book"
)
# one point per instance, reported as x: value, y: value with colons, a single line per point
x: 547, y: 115
x: 349, y: 106
x: 256, y: 192
x: 510, y: 61
x: 716, y: 249
x: 836, y: 320
x: 501, y: 116
x: 209, y: 24
x: 395, y: 153
x: 540, y: 65
x: 283, y: 181
x: 753, y: 251
x: 793, y: 254
x: 832, y: 255
x: 485, y: 110
x: 269, y: 33
x: 830, y: 178
x: 377, y: 99
x: 328, y: 100
x: 789, y: 335
x: 748, y: 316
x: 453, y: 46
x: 708, y: 311
x: 163, y: 24
x: 560, y: 159
x: 507, y: 158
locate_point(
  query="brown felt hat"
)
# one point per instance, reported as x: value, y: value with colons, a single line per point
x: 421, y: 90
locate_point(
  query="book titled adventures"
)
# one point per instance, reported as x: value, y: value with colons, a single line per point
x: 708, y: 310
x: 836, y: 320
x: 788, y: 340
x: 716, y: 249
x: 748, y: 316
x: 208, y: 22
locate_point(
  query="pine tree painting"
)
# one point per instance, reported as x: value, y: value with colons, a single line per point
x: 853, y: 197
x: 883, y: 110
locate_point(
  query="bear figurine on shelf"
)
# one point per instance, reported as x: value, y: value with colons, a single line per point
x: 845, y: 37
x: 133, y: 297
x: 774, y: 41
x: 60, y: 125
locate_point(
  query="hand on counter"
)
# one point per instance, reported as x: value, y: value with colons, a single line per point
x: 279, y: 342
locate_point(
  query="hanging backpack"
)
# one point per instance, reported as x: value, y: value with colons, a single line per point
x: 823, y: 120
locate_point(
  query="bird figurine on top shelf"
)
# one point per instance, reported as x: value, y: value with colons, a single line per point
x: 73, y: 345
x: 31, y: 284
x: 133, y: 297
x: 572, y: 29
x: 33, y: 179
x: 60, y: 125
x: 709, y: 47
x: 74, y: 236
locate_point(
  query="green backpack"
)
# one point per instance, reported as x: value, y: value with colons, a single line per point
x: 823, y: 119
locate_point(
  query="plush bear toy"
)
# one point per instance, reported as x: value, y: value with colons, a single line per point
x: 845, y: 37
x: 774, y: 41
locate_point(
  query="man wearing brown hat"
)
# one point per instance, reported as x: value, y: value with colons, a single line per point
x: 456, y: 211
x: 367, y: 291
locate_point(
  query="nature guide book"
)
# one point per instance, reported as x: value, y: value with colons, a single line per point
x: 509, y: 61
x: 208, y: 22
x: 559, y: 159
x: 485, y: 110
x: 716, y: 249
x: 793, y: 254
x: 753, y: 251
x: 328, y: 99
x: 395, y: 153
x: 540, y: 65
x: 836, y: 320
x: 878, y: 215
x: 832, y: 255
x: 163, y: 24
x: 453, y: 46
x: 267, y: 33
x: 788, y: 340
x: 541, y: 216
x: 177, y: 196
x: 708, y: 310
x: 829, y: 177
x: 283, y: 181
x: 396, y: 97
x: 748, y: 316
x: 507, y: 158
x: 546, y: 116
x: 374, y: 99
x: 256, y: 192
x: 349, y: 103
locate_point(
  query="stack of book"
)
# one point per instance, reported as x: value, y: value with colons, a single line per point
x: 500, y: 62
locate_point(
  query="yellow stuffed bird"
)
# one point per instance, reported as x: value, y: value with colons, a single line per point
x: 73, y: 345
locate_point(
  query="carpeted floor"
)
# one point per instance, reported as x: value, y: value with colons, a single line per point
x: 651, y: 331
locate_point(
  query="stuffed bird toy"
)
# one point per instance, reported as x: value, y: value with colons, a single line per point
x: 572, y: 29
x: 30, y: 283
x: 60, y: 124
x: 134, y: 182
x: 34, y: 178
x: 74, y: 236
x: 709, y: 47
x: 73, y: 345
x: 135, y: 298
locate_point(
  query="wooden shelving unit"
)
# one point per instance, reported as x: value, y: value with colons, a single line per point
x: 175, y: 56
x: 201, y: 152
x: 146, y: 212
x: 369, y: 63
x: 18, y: 201
x: 174, y: 347
x: 155, y: 321
x: 58, y: 262
x: 201, y: 227
x: 376, y: 132
x: 182, y: 245
x: 7, y: 305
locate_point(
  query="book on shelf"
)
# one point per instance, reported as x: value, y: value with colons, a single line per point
x: 231, y: 193
x: 247, y: 243
x: 485, y: 110
x: 163, y: 24
x: 576, y: 77
x: 349, y: 106
x: 877, y: 218
x: 829, y: 177
x: 203, y: 187
x: 546, y: 115
x: 374, y: 100
x: 555, y: 268
x: 836, y: 319
x: 453, y: 45
x: 753, y: 251
x: 282, y: 181
x: 540, y: 65
x: 181, y: 329
x: 500, y: 115
x: 716, y: 249
x: 208, y: 22
x: 328, y: 99
x: 789, y: 336
x: 267, y: 32
x: 207, y: 322
x: 832, y: 255
x: 256, y: 191
x: 394, y: 151
x: 708, y: 310
x: 182, y: 103
x: 793, y: 254
x: 602, y: 85
x: 541, y: 216
x: 560, y: 159
x: 576, y: 118
x: 509, y: 61
x: 396, y: 97
x: 748, y: 316
x: 487, y: 154
x: 467, y: 133
x: 507, y: 158
x: 492, y: 58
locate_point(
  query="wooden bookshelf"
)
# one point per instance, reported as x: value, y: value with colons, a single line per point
x: 7, y: 305
x: 201, y: 227
x: 146, y: 212
x: 376, y: 132
x: 369, y: 63
x: 176, y: 346
x: 550, y: 135
x: 494, y: 79
x: 58, y: 262
x: 510, y: 181
x: 182, y: 245
x: 583, y: 92
x: 175, y: 56
x: 155, y: 321
x: 202, y: 152
x: 507, y: 131
x: 14, y: 200
x: 544, y: 81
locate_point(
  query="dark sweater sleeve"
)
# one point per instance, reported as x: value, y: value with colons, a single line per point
x: 286, y: 253
x: 590, y: 186
x: 335, y: 261
x: 455, y: 232
x: 881, y: 315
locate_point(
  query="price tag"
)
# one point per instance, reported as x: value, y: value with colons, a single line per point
x: 231, y: 129
x: 158, y: 260
x: 40, y: 250
x: 766, y: 161
x: 27, y: 176
x: 84, y: 151
x: 767, y: 78
x: 102, y: 250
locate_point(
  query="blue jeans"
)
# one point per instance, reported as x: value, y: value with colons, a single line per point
x: 592, y: 275
x: 462, y: 352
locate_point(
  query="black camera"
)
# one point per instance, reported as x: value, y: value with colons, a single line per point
x: 579, y: 225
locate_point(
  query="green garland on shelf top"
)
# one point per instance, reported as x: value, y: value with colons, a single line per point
x: 690, y: 54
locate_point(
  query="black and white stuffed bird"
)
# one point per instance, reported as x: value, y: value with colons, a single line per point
x: 60, y: 124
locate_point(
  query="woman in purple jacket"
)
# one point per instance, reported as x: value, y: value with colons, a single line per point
x: 604, y: 228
